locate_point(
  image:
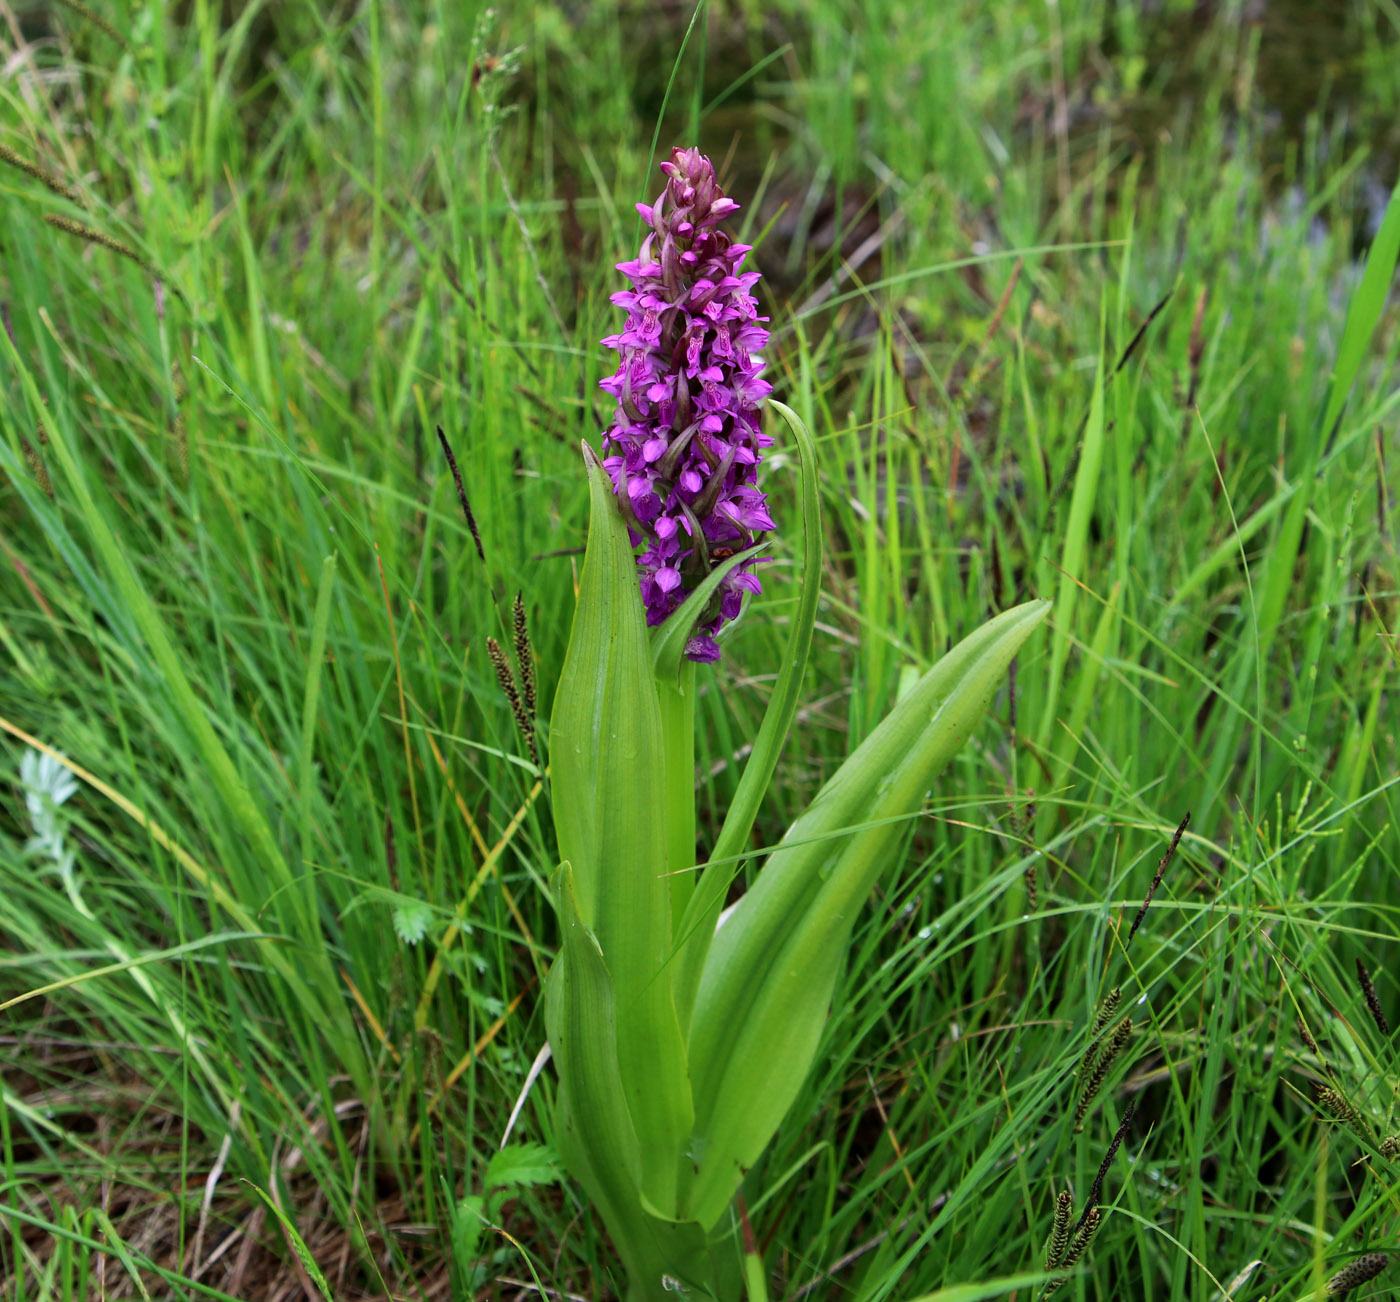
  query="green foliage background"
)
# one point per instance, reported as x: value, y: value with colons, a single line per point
x: 291, y: 994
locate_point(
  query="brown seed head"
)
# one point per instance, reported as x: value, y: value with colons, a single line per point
x: 1083, y: 1237
x: 1101, y: 1063
x: 97, y: 21
x: 524, y: 658
x: 93, y: 236
x: 1373, y: 1003
x: 1059, y: 1231
x: 1357, y: 1272
x: 461, y: 492
x: 1106, y: 1009
x: 43, y: 176
x: 1157, y: 879
x: 507, y: 681
x: 1334, y: 1102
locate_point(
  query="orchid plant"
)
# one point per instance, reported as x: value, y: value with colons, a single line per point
x: 682, y: 1032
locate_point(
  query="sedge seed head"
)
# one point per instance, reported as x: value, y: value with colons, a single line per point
x: 1357, y: 1272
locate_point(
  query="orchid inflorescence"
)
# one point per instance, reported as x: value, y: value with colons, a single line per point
x: 687, y: 436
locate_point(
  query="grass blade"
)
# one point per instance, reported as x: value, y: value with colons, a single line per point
x: 1363, y: 316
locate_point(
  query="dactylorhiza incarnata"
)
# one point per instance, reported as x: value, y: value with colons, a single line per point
x: 685, y: 443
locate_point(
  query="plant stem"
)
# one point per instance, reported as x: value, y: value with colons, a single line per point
x: 678, y: 782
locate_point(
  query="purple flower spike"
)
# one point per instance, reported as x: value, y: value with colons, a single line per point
x: 686, y: 441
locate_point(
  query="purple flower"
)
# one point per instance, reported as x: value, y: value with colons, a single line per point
x: 685, y: 443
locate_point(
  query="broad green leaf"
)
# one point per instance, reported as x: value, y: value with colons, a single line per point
x: 607, y: 764
x: 675, y: 694
x: 579, y: 722
x: 768, y: 979
x: 593, y: 1130
x: 580, y: 1019
x: 697, y: 927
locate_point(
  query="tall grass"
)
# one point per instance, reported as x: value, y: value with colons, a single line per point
x: 239, y: 597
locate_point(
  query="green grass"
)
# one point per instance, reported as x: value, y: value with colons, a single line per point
x: 251, y: 613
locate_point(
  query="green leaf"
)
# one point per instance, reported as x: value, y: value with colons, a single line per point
x: 579, y: 723
x: 985, y: 1289
x: 306, y: 770
x: 768, y: 979
x: 411, y: 920
x: 1363, y: 316
x: 468, y: 1221
x: 697, y: 927
x: 675, y: 694
x: 593, y: 1129
x: 522, y: 1166
x: 1364, y: 312
x: 675, y: 691
x: 1072, y: 558
x: 580, y: 1019
x: 610, y: 815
